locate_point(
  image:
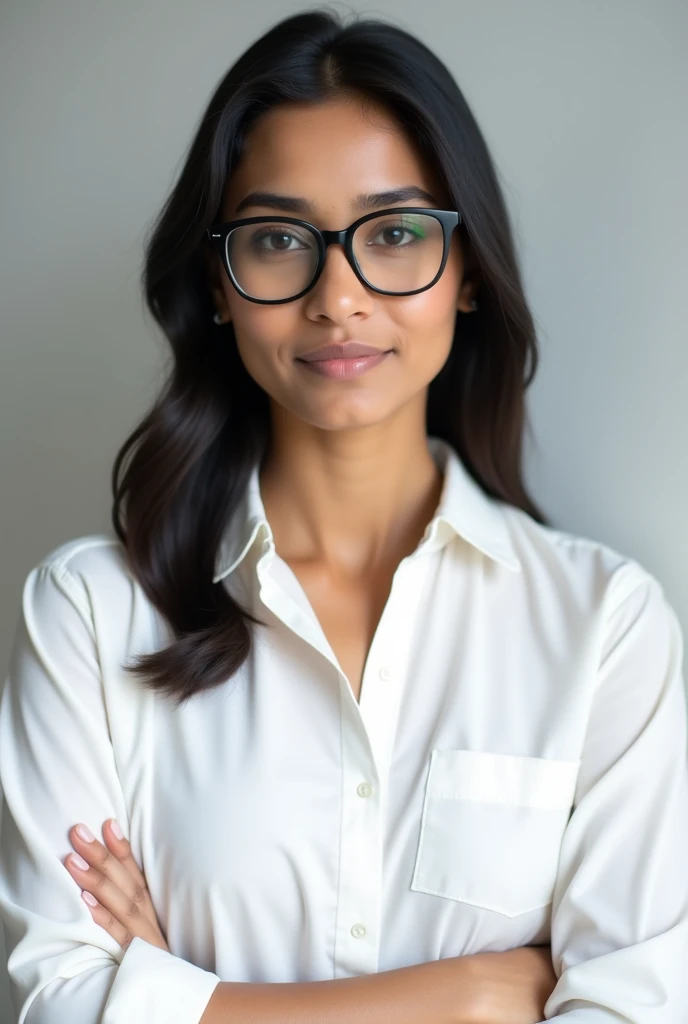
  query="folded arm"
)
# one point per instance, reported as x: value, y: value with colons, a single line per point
x: 620, y: 913
x: 57, y: 767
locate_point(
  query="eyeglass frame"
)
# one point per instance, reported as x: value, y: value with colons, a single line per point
x: 217, y: 235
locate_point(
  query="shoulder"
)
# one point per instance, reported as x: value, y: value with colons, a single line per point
x: 85, y: 554
x: 579, y: 569
x: 87, y: 616
x: 605, y: 601
x: 82, y: 569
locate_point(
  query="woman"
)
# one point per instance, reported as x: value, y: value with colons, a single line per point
x: 385, y: 745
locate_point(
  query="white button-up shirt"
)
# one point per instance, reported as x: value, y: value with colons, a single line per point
x: 515, y: 774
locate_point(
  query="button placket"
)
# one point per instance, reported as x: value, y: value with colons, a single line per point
x: 368, y: 729
x: 360, y: 875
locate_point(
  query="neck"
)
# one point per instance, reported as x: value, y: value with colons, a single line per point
x: 354, y: 500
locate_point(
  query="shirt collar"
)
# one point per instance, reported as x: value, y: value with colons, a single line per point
x: 464, y: 509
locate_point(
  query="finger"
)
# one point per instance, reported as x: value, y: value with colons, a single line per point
x: 108, y: 879
x: 119, y: 845
x: 108, y: 895
x: 121, y: 848
x: 103, y: 859
x: 106, y: 920
x: 129, y: 901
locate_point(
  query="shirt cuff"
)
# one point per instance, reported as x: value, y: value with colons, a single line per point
x: 152, y: 986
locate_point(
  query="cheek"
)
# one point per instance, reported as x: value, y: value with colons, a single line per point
x: 427, y: 323
x: 263, y: 335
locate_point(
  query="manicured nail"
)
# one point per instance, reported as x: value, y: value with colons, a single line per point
x: 85, y: 833
x: 116, y: 829
x: 79, y: 862
x: 89, y: 899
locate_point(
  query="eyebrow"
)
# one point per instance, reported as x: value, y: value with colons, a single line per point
x: 364, y: 201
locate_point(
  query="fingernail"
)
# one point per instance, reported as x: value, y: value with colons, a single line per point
x: 85, y: 833
x: 78, y: 861
x: 89, y: 899
x: 116, y: 829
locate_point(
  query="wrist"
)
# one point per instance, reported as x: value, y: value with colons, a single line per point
x: 453, y: 990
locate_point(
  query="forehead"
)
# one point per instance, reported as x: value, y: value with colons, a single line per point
x: 328, y: 153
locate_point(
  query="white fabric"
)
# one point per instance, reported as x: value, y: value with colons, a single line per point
x: 516, y: 772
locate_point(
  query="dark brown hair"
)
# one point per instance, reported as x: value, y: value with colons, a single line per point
x: 182, y: 471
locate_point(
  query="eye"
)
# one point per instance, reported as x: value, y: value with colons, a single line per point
x: 278, y: 240
x: 396, y: 234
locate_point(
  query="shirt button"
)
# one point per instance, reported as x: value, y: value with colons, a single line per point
x: 358, y: 931
x: 384, y: 672
x: 365, y: 789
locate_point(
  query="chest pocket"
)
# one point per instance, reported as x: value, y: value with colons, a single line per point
x: 491, y: 828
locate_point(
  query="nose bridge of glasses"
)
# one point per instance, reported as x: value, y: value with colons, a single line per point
x: 334, y: 237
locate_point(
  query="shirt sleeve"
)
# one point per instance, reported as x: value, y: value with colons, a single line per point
x: 57, y: 767
x: 619, y: 930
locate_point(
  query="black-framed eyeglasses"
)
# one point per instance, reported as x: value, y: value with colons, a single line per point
x: 399, y: 251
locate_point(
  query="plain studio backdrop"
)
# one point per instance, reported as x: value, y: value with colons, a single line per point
x: 583, y: 107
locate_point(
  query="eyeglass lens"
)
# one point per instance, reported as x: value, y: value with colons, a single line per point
x: 395, y: 252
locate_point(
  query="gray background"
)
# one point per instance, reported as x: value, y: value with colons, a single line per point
x: 583, y: 106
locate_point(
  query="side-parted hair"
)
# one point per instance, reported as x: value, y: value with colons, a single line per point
x: 179, y: 476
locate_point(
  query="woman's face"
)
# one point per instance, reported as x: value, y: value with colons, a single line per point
x: 327, y: 155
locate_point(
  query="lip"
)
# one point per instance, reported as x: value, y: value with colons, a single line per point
x: 341, y: 350
x: 344, y: 369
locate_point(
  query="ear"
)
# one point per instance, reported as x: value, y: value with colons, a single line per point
x: 214, y: 271
x: 467, y: 292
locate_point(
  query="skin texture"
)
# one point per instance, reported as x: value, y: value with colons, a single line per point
x: 348, y: 487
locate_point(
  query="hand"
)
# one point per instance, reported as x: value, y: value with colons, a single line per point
x: 511, y: 987
x: 112, y: 878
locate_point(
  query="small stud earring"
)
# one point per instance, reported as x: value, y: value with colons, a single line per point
x: 217, y: 317
x: 474, y: 304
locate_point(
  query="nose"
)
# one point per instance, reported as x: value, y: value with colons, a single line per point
x: 338, y: 293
